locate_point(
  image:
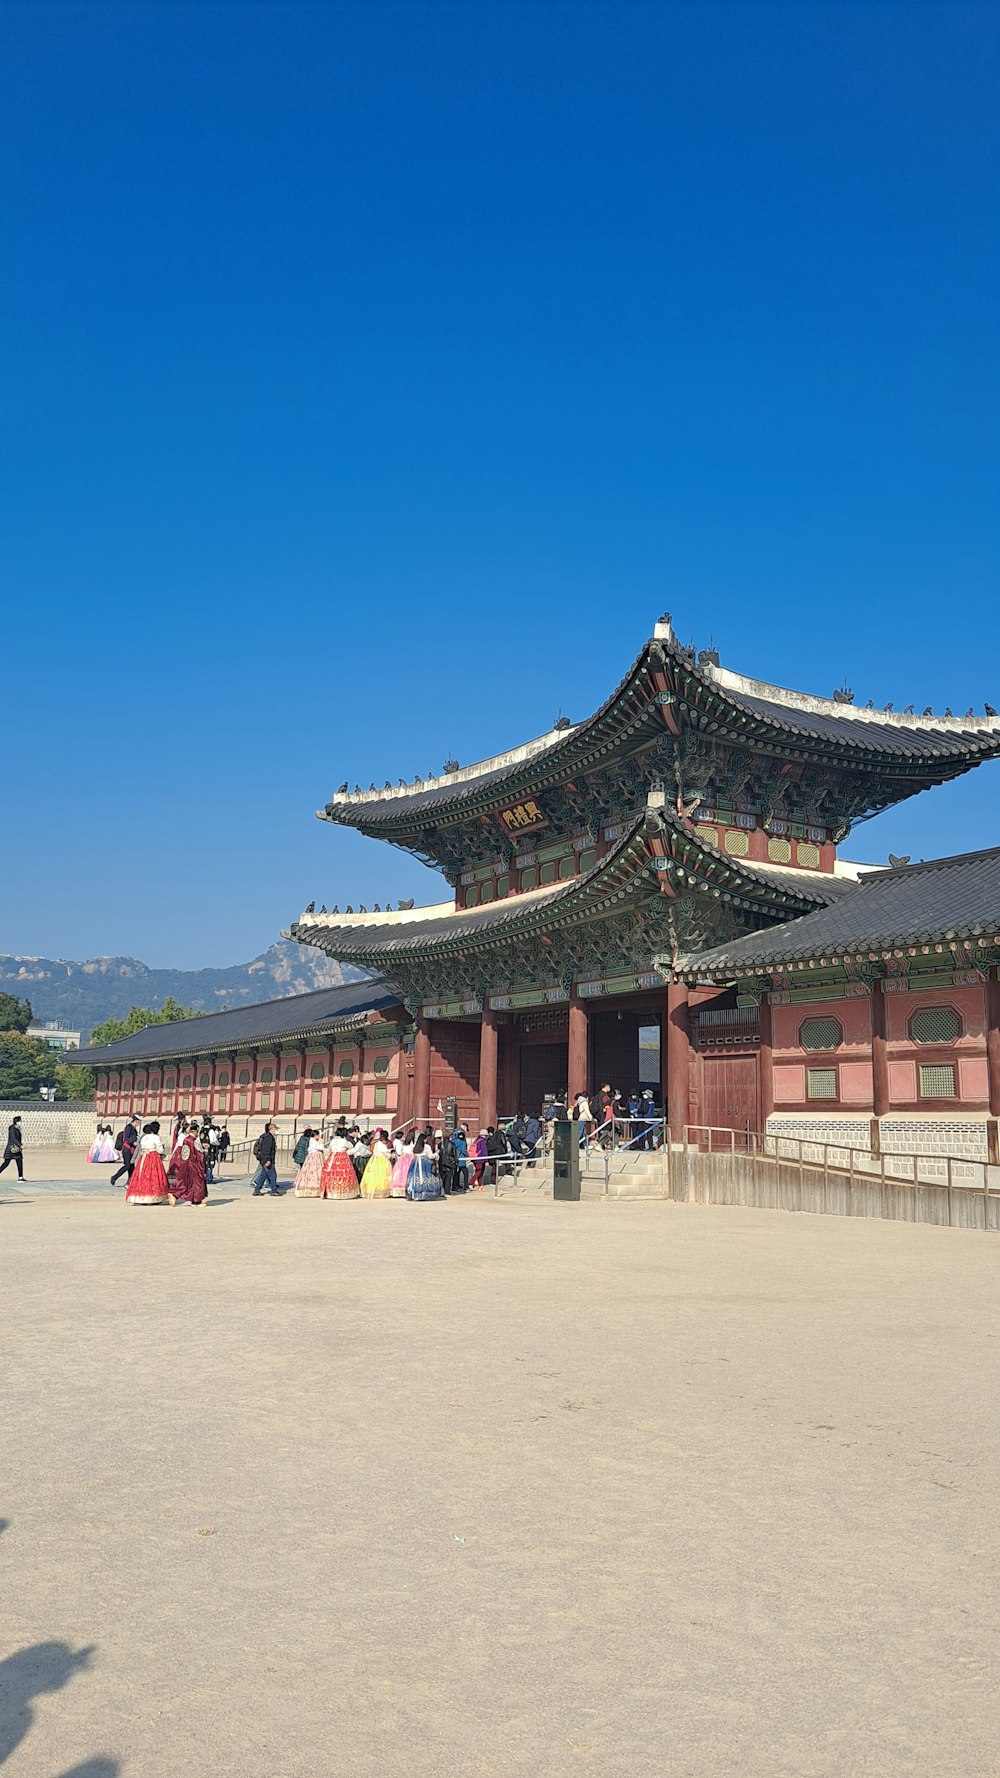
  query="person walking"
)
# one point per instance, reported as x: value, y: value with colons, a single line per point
x: 225, y: 1143
x: 265, y: 1151
x: 149, y: 1183
x: 14, y: 1148
x: 130, y: 1142
x: 461, y: 1148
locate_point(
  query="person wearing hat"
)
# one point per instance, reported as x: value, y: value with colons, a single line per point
x: 648, y: 1118
x: 14, y: 1148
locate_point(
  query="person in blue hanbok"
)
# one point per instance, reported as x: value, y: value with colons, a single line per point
x: 423, y: 1180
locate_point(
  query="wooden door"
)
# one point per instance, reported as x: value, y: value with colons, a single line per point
x: 730, y: 1095
x: 542, y: 1070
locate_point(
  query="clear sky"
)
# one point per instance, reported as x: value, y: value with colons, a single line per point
x: 374, y: 376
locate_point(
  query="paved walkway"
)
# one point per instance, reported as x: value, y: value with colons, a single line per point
x: 307, y: 1490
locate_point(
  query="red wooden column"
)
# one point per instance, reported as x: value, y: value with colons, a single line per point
x: 880, y: 1064
x: 993, y: 1062
x: 488, y: 1067
x: 577, y: 1061
x: 422, y: 1073
x: 678, y: 1059
x: 766, y: 1061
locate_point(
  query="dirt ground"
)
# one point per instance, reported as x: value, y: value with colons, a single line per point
x: 296, y: 1489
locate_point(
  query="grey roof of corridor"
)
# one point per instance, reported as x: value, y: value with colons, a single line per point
x: 294, y: 1016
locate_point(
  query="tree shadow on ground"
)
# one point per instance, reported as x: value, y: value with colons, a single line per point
x: 94, y: 1768
x: 46, y: 1667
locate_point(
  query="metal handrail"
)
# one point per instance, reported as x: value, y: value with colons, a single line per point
x: 842, y: 1158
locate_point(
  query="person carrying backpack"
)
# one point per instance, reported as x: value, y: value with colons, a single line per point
x: 265, y: 1153
x: 129, y: 1144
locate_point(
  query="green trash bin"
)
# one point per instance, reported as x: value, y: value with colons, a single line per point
x: 566, y: 1161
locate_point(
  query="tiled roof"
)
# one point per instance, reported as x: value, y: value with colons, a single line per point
x: 936, y: 747
x: 298, y: 1015
x: 384, y: 936
x: 936, y: 902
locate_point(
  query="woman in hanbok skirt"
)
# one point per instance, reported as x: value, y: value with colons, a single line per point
x: 401, y: 1171
x: 186, y: 1170
x: 424, y: 1181
x: 149, y: 1184
x: 108, y: 1151
x: 308, y: 1181
x: 340, y: 1179
x: 94, y: 1151
x: 377, y: 1174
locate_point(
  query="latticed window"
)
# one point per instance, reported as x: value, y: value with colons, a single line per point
x: 529, y: 878
x: 779, y: 851
x: 807, y: 855
x: 345, y: 1068
x: 821, y: 1083
x: 709, y: 834
x: 935, y: 1024
x: 503, y: 887
x: 291, y: 1072
x: 317, y: 1071
x: 224, y: 1078
x: 266, y: 1076
x: 203, y: 1080
x: 937, y: 1082
x: 379, y: 1098
x: 289, y: 1101
x: 587, y: 860
x: 381, y: 1064
x: 548, y: 872
x: 244, y: 1077
x: 737, y: 843
x: 472, y: 896
x: 821, y: 1034
x: 316, y: 1098
x: 567, y: 867
x: 486, y: 893
x: 345, y: 1098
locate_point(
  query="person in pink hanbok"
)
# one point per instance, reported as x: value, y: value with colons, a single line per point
x: 308, y: 1181
x: 401, y: 1170
x: 186, y: 1170
x: 149, y: 1183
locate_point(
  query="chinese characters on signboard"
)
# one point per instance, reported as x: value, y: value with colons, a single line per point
x: 524, y: 817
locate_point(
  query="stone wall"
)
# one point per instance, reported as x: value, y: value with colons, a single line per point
x: 70, y: 1125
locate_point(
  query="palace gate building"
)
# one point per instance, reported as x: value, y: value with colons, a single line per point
x: 623, y: 887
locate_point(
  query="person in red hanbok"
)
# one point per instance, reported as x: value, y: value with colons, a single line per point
x: 148, y: 1184
x: 186, y: 1171
x: 339, y: 1179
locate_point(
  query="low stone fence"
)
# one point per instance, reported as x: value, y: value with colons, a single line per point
x: 71, y: 1124
x: 950, y: 1192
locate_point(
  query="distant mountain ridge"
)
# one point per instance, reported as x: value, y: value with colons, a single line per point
x: 82, y: 995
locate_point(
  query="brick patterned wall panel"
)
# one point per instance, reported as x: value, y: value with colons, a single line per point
x: 973, y: 1078
x: 902, y: 1082
x: 789, y: 1085
x: 856, y: 1083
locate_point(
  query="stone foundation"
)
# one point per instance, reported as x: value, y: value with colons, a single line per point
x: 964, y: 1137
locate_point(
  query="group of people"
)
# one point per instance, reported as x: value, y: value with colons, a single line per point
x: 104, y: 1149
x: 612, y: 1118
x: 213, y: 1139
x: 182, y: 1178
x: 416, y: 1165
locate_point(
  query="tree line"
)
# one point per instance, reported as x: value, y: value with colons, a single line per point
x: 27, y: 1064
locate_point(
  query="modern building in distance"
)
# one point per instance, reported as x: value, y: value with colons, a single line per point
x: 627, y: 884
x: 56, y: 1036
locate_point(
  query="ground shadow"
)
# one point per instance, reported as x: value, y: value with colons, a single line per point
x: 213, y: 1203
x: 94, y: 1768
x: 46, y: 1667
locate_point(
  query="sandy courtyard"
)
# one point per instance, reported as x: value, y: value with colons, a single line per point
x: 495, y: 1488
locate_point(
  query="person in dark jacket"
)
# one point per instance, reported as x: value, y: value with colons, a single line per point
x: 130, y: 1142
x: 266, y: 1150
x: 461, y: 1148
x: 14, y: 1149
x: 532, y: 1137
x: 447, y: 1161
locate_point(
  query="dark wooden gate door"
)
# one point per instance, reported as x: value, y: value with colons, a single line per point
x: 730, y: 1092
x: 543, y: 1070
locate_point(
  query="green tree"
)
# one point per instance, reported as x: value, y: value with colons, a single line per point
x: 73, y: 1081
x: 15, y: 1015
x: 25, y: 1065
x: 139, y: 1019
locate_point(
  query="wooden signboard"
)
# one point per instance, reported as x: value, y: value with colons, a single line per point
x: 526, y: 817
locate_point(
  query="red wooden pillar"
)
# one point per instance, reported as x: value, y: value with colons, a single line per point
x: 766, y: 1062
x: 993, y: 1062
x: 422, y: 1073
x: 488, y: 1067
x: 880, y: 1064
x: 678, y: 1059
x: 577, y: 1061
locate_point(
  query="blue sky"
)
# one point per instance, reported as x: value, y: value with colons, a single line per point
x: 374, y: 376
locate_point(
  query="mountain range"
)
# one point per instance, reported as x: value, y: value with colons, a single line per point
x: 82, y: 995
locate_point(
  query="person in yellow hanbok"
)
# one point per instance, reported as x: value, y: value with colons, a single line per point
x: 376, y: 1176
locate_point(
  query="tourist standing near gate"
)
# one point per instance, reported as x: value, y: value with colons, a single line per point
x: 265, y: 1151
x: 130, y: 1138
x: 14, y: 1148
